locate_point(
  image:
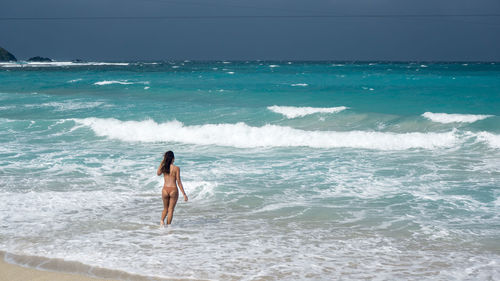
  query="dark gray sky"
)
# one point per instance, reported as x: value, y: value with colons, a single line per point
x: 425, y: 33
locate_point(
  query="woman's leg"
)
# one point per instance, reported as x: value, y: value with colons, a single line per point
x: 171, y: 206
x: 165, y: 198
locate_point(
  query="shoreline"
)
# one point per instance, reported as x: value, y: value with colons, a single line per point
x: 14, y: 267
x: 14, y: 272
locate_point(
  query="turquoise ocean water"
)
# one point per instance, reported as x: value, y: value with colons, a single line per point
x: 294, y: 170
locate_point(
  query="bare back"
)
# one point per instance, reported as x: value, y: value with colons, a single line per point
x: 171, y: 179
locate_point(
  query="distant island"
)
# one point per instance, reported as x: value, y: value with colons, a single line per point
x: 6, y: 56
x: 39, y: 59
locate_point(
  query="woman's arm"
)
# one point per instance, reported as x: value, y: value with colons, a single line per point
x: 159, y: 172
x: 179, y: 182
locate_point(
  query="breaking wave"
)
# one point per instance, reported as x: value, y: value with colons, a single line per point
x: 446, y: 118
x: 492, y: 139
x: 242, y: 135
x: 294, y: 112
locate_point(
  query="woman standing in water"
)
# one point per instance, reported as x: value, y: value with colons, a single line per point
x: 169, y: 193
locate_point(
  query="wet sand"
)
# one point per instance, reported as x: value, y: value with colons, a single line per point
x: 12, y: 272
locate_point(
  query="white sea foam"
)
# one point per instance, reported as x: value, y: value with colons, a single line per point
x: 446, y: 118
x: 491, y: 139
x: 109, y: 82
x: 62, y: 106
x: 68, y: 105
x: 122, y: 82
x: 294, y: 112
x: 7, y: 107
x: 273, y: 65
x: 243, y: 136
x: 60, y: 64
x: 300, y: 85
x: 105, y: 63
x: 10, y: 64
x: 200, y: 190
x: 75, y: 80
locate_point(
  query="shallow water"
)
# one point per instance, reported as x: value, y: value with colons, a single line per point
x: 301, y: 170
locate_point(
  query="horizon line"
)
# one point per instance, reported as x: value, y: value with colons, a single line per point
x: 225, y: 17
x: 255, y: 60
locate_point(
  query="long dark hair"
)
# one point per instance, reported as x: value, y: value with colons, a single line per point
x: 167, y: 160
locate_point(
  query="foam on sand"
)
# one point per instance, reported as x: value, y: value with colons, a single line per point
x: 294, y: 112
x: 242, y: 135
x: 446, y: 118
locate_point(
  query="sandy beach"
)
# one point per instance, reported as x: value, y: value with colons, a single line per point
x: 35, y: 268
x: 12, y: 272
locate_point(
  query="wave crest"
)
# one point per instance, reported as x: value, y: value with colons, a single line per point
x: 446, y: 118
x: 294, y: 112
x: 243, y: 136
x: 122, y: 82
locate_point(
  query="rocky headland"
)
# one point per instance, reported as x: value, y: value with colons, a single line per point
x: 6, y: 56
